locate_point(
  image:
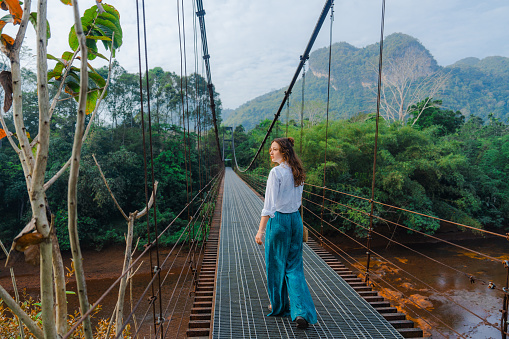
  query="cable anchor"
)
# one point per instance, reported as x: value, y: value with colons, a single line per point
x: 491, y: 285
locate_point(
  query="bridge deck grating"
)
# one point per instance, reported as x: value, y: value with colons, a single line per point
x: 241, y: 291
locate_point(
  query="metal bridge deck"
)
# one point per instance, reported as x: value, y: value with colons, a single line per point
x: 241, y: 292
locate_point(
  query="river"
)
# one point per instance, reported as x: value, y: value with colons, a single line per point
x: 439, y: 288
x: 436, y: 287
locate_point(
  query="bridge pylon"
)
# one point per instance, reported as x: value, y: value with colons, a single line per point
x: 227, y: 139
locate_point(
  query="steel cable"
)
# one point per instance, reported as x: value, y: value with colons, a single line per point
x: 144, y: 146
x: 151, y: 151
x: 317, y: 235
x: 470, y: 276
x: 505, y: 236
x: 134, y: 262
x: 152, y: 281
x: 327, y: 116
x: 303, y: 58
x: 411, y: 275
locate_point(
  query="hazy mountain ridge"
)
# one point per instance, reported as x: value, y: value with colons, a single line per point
x: 476, y: 86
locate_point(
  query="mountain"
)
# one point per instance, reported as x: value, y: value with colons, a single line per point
x: 475, y: 86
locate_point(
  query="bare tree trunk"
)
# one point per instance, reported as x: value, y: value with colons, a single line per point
x: 37, y: 195
x: 123, y: 281
x: 61, y: 298
x: 72, y: 196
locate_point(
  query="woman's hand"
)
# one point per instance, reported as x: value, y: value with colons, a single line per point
x: 261, y: 229
x: 259, y: 237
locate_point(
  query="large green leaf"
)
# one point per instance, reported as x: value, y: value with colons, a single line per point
x: 99, y: 55
x: 61, y: 64
x: 97, y: 79
x: 92, y: 97
x: 99, y: 26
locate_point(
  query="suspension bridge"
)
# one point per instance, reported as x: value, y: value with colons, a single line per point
x: 221, y: 291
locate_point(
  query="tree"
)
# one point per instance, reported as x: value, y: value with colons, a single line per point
x: 406, y: 79
x: 33, y: 153
x: 448, y: 120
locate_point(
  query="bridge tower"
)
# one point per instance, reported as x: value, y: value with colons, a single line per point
x: 227, y: 138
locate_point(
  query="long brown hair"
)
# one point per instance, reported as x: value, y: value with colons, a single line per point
x: 291, y: 158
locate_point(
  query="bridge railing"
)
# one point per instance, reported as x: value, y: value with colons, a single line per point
x: 334, y: 218
x: 189, y: 245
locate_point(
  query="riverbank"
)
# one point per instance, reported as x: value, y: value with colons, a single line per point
x: 102, y: 269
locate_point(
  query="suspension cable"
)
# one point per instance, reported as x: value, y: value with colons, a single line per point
x: 469, y: 275
x: 375, y: 151
x: 206, y: 57
x: 287, y: 116
x: 144, y: 151
x: 182, y: 74
x: 197, y: 106
x: 159, y: 321
x: 327, y: 117
x: 411, y: 275
x: 188, y: 154
x: 185, y: 231
x: 303, y: 58
x: 134, y: 262
x: 316, y: 234
x: 302, y: 108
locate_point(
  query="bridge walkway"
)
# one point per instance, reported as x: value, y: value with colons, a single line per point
x: 241, y: 299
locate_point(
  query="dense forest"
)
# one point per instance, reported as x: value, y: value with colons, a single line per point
x: 441, y: 166
x: 434, y: 161
x: 116, y: 141
x: 471, y: 86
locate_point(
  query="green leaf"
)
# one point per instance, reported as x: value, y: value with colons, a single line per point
x: 55, y: 73
x: 99, y: 26
x: 97, y: 79
x: 91, y: 101
x: 33, y: 20
x: 73, y: 39
x: 67, y: 56
x: 70, y: 292
x: 98, y: 55
x: 99, y: 38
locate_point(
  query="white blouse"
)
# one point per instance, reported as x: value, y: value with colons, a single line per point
x: 281, y: 195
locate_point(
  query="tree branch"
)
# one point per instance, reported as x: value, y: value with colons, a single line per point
x: 151, y: 201
x: 109, y: 190
x: 16, y: 309
x: 72, y: 196
x: 50, y: 182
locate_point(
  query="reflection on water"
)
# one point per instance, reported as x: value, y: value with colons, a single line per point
x: 450, y: 303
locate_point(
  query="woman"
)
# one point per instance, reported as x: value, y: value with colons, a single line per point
x: 287, y: 288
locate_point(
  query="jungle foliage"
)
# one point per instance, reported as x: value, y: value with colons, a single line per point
x: 116, y: 141
x: 441, y: 166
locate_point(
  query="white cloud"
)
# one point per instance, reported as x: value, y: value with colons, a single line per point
x: 255, y: 45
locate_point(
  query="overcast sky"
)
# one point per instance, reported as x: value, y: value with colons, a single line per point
x: 254, y: 46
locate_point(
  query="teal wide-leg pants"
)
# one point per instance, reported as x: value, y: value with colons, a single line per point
x: 288, y: 292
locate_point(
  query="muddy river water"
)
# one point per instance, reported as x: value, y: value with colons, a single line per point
x: 438, y: 289
x: 451, y: 304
